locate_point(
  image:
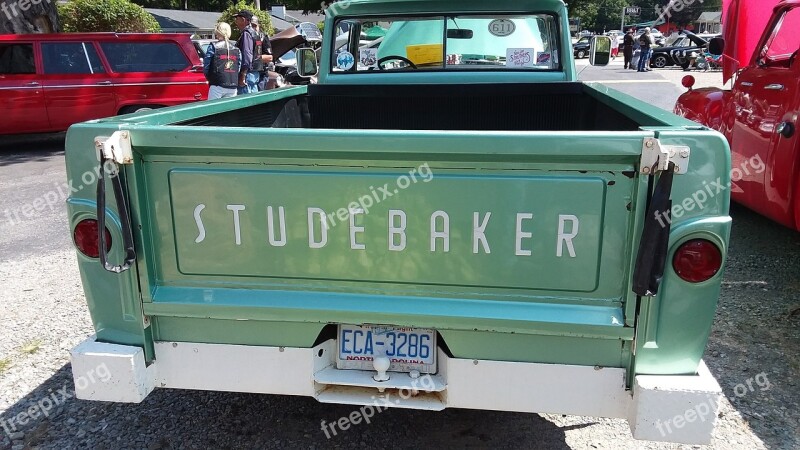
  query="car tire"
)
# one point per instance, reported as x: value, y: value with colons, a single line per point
x: 659, y: 62
x: 137, y: 108
x: 581, y: 54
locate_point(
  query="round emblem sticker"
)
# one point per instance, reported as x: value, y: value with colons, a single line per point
x: 501, y: 27
x: 345, y: 60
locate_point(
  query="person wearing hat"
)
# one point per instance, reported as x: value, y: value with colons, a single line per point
x: 627, y: 48
x: 266, y: 53
x: 250, y: 45
x: 221, y: 64
x: 645, y: 42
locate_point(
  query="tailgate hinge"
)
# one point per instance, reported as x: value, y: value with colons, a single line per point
x: 656, y: 157
x: 116, y: 147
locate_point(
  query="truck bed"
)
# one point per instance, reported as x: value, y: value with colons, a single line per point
x: 516, y: 107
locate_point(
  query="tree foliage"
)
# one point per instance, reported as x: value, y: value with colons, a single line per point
x: 193, y: 5
x: 600, y: 15
x: 105, y: 15
x: 263, y: 18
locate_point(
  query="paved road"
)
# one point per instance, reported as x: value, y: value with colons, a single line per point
x: 752, y: 335
x: 30, y: 169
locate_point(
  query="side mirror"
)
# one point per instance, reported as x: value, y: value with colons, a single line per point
x: 307, y: 62
x: 716, y: 46
x: 600, y: 51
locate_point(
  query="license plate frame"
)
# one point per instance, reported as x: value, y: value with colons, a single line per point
x: 347, y: 358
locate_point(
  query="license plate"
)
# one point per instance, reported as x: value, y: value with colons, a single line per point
x: 407, y: 348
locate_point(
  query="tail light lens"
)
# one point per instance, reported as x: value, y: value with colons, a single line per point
x: 697, y: 260
x: 85, y: 237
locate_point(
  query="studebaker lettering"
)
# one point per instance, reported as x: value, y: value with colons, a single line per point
x: 318, y: 227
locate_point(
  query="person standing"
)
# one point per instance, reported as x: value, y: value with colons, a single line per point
x: 266, y: 54
x: 250, y: 47
x: 614, y: 45
x: 627, y: 48
x: 221, y: 64
x: 645, y: 42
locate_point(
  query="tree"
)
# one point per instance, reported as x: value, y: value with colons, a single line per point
x: 194, y: 5
x: 28, y: 16
x: 599, y: 15
x: 106, y: 15
x: 263, y: 18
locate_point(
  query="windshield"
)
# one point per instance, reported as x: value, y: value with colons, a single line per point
x: 465, y: 42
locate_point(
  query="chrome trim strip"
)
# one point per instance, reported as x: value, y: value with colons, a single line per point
x: 8, y: 88
x: 64, y: 86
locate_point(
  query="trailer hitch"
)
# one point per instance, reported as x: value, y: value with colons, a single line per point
x: 113, y: 151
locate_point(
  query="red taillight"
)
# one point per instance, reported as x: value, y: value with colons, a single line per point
x: 697, y: 260
x: 85, y: 237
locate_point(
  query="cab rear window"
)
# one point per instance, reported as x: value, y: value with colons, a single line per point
x: 145, y: 57
x: 16, y: 59
x: 456, y: 42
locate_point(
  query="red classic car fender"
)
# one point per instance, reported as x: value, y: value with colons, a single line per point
x: 705, y: 106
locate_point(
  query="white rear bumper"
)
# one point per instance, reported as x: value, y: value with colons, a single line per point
x: 662, y: 408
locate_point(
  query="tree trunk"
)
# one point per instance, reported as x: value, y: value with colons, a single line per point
x: 28, y: 16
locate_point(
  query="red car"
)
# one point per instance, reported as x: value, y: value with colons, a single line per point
x: 50, y: 81
x: 759, y: 115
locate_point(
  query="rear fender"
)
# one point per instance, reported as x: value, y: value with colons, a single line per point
x: 704, y: 105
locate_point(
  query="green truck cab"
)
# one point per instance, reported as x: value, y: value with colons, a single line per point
x: 448, y: 219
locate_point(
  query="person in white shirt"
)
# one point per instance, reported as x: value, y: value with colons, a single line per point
x: 614, y: 45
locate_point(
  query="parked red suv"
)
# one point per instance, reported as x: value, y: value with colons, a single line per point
x: 50, y: 81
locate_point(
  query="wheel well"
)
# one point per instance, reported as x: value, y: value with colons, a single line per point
x: 133, y: 108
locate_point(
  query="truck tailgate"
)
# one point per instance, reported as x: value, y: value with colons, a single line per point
x: 520, y: 231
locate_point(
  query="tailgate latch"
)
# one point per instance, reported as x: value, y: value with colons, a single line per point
x: 113, y: 151
x: 116, y: 147
x: 656, y: 157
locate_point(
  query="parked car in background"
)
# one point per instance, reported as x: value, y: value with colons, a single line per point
x: 581, y: 48
x: 284, y: 46
x: 759, y: 114
x: 202, y: 45
x: 50, y: 81
x: 678, y: 53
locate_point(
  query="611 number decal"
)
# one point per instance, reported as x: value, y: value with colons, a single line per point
x: 501, y: 27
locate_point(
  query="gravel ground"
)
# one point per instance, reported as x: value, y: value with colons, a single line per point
x: 44, y: 315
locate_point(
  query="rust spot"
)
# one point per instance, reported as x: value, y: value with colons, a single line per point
x: 628, y: 206
x: 629, y: 173
x: 612, y: 182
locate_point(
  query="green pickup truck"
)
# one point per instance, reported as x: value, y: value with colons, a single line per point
x: 447, y: 219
